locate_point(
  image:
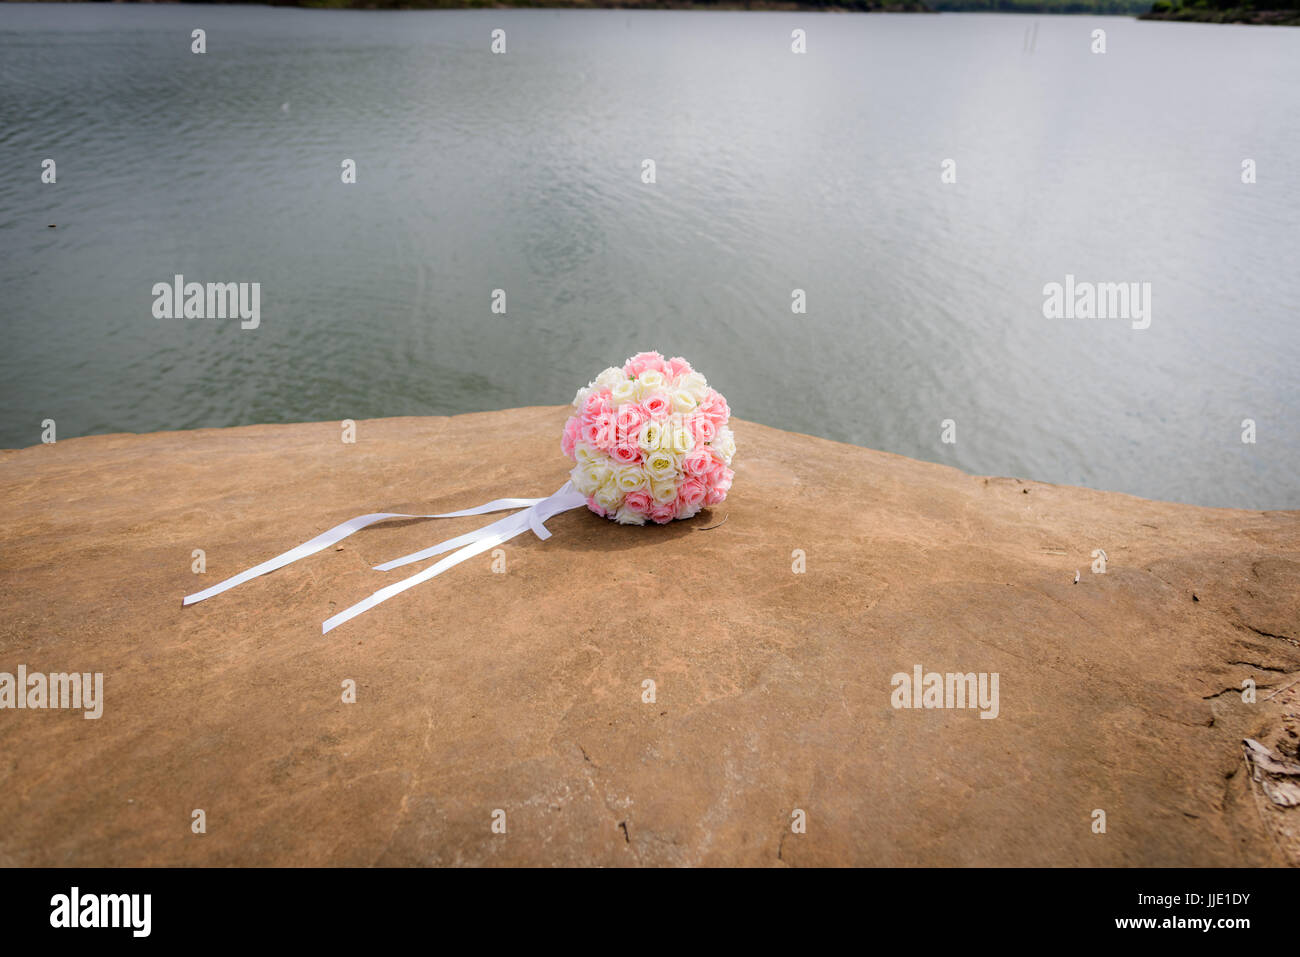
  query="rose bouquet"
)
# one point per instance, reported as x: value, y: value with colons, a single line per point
x: 649, y: 441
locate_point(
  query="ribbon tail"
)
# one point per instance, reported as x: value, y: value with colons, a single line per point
x: 496, y: 505
x: 469, y: 538
x: 564, y: 494
x: 342, y: 531
x: 488, y: 537
x: 321, y: 541
x: 434, y: 570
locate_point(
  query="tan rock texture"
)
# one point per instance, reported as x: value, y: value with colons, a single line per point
x: 524, y: 691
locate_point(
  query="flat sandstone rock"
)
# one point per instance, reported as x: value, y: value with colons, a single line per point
x: 524, y: 691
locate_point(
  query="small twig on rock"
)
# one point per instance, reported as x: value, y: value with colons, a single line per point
x: 1281, y: 689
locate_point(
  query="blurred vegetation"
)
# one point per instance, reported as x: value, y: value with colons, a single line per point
x: 862, y: 6
x: 1095, y: 7
x: 1212, y: 11
x: 1281, y: 12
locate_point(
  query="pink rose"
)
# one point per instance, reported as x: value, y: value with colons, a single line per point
x: 657, y: 405
x: 599, y: 431
x: 596, y: 507
x: 701, y: 427
x: 684, y: 510
x: 639, y: 501
x: 698, y: 461
x: 625, y: 453
x: 597, y: 403
x: 572, y: 431
x: 663, y: 514
x: 642, y: 362
x: 676, y: 367
x: 691, y: 493
x: 714, y: 407
x: 629, y: 419
x: 718, y: 484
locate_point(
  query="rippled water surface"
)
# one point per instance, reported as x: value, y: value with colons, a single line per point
x: 775, y: 172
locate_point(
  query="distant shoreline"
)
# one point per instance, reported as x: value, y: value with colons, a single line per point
x: 1106, y: 8
x: 841, y: 6
x: 1161, y: 9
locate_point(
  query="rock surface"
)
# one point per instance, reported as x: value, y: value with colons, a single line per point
x: 524, y: 691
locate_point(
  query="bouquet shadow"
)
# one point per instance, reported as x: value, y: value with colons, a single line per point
x: 583, y: 531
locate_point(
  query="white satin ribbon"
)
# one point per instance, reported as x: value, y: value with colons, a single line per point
x: 535, y: 512
x: 484, y: 538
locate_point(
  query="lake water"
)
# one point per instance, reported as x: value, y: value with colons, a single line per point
x: 775, y: 172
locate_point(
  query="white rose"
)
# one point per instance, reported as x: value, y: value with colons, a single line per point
x: 609, y: 378
x: 661, y: 466
x: 677, y: 438
x: 581, y: 397
x: 629, y: 478
x: 651, y: 438
x: 684, y: 401
x: 725, y: 444
x: 596, y: 475
x: 625, y: 516
x: 623, y: 391
x: 609, y: 498
x: 695, y: 384
x: 663, y: 492
x: 649, y: 381
x: 582, y: 481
